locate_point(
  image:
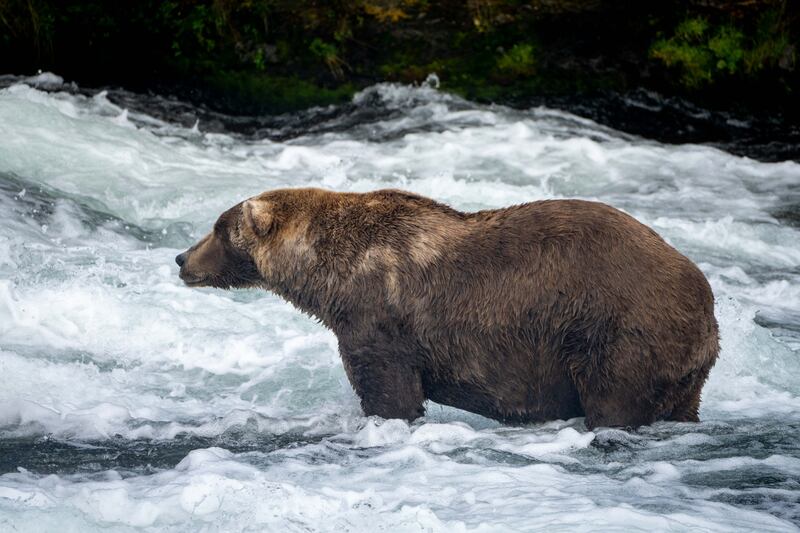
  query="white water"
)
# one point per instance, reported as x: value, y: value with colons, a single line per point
x: 128, y: 401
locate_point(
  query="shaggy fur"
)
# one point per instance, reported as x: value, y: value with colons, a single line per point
x: 546, y: 310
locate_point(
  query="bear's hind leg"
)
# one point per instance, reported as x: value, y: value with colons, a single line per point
x: 618, y: 407
x: 613, y: 394
x: 627, y: 403
x: 688, y: 397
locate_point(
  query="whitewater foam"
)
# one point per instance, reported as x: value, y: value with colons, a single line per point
x: 129, y: 402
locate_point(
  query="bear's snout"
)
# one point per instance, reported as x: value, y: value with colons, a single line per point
x: 180, y: 259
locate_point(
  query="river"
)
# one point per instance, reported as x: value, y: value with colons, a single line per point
x: 130, y: 402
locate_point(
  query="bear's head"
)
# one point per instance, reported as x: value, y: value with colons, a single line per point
x: 228, y: 256
x: 265, y: 241
x: 315, y: 248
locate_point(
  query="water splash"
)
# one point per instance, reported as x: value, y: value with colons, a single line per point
x: 129, y: 401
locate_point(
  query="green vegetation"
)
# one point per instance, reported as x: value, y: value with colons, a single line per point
x: 519, y: 61
x: 330, y: 55
x: 274, y: 55
x: 252, y: 94
x: 704, y: 52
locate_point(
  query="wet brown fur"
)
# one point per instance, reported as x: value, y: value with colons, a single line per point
x: 546, y: 310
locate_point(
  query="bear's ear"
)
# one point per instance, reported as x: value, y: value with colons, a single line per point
x: 257, y: 216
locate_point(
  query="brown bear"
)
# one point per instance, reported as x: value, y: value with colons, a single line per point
x: 546, y: 310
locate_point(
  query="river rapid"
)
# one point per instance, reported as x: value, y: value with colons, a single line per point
x: 130, y: 402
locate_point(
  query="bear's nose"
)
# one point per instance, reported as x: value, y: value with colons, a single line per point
x: 180, y: 259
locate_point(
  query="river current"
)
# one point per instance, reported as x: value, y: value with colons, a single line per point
x: 130, y: 402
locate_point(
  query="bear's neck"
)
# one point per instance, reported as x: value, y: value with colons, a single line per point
x: 315, y: 294
x: 338, y: 267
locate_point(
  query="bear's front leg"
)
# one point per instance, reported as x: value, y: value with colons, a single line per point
x: 387, y: 387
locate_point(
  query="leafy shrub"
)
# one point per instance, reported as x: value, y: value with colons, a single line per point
x: 519, y: 61
x: 329, y: 54
x: 703, y: 52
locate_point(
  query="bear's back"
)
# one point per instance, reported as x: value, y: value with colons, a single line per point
x: 493, y: 269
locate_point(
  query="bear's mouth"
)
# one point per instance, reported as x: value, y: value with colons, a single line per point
x: 194, y: 282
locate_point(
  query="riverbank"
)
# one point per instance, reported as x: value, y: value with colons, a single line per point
x: 703, y: 71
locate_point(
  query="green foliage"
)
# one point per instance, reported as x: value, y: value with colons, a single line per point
x: 688, y: 49
x: 704, y: 52
x: 485, y: 49
x: 195, y: 30
x: 323, y: 50
x: 692, y: 29
x: 259, y: 59
x: 693, y: 60
x: 329, y: 54
x: 727, y: 45
x: 519, y: 61
x: 771, y: 43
